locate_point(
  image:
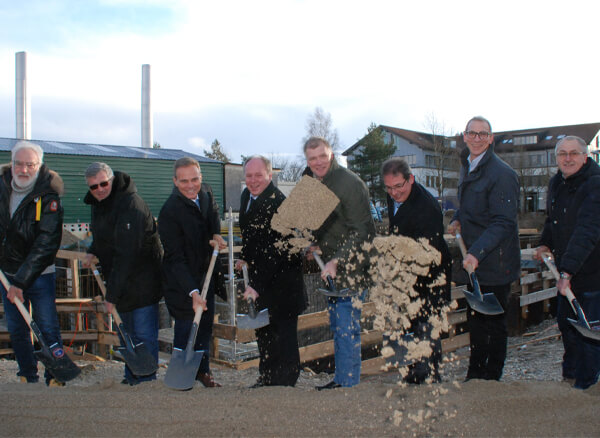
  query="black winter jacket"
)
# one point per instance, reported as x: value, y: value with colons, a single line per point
x: 29, y: 243
x: 274, y: 273
x: 572, y: 228
x: 127, y: 244
x: 489, y: 205
x: 421, y: 216
x: 185, y: 231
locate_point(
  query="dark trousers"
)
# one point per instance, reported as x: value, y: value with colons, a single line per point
x: 278, y: 347
x: 488, y: 335
x: 182, y: 332
x: 581, y: 360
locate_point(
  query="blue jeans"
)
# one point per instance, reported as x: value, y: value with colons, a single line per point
x: 42, y: 296
x: 142, y: 326
x: 182, y: 333
x: 344, y: 322
x: 581, y: 360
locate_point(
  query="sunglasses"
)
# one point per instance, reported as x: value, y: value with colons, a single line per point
x: 103, y: 184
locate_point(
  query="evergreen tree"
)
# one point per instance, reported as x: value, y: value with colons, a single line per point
x: 217, y: 153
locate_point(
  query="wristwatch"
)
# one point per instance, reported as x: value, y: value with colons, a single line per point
x: 565, y: 276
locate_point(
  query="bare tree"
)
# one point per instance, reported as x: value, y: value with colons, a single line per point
x: 290, y: 169
x: 442, y: 164
x: 319, y: 124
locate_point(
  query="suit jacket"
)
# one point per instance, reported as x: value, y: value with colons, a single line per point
x: 274, y: 273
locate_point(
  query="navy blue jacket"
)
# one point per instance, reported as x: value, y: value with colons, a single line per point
x: 489, y: 205
x: 572, y: 228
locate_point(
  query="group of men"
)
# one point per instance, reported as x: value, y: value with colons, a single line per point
x: 129, y: 245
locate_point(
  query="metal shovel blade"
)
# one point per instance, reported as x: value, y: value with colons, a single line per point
x: 246, y: 322
x: 54, y: 358
x: 139, y: 360
x: 487, y: 304
x: 591, y: 332
x: 183, y: 368
x: 344, y: 293
x: 137, y: 357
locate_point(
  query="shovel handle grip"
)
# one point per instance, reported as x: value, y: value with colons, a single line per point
x: 547, y: 257
x: 319, y: 260
x: 245, y: 275
x: 463, y: 251
x: 18, y: 303
x: 102, y: 286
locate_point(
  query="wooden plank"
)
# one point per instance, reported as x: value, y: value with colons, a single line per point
x: 454, y: 343
x: 457, y: 317
x: 107, y: 338
x: 534, y: 297
x: 529, y: 278
x: 372, y: 366
x: 324, y: 349
x: 71, y: 255
x: 312, y: 320
x: 4, y: 351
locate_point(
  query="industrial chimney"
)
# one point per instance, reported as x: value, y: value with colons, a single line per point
x: 146, y: 108
x: 22, y: 99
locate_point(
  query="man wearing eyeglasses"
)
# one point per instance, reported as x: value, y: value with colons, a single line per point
x: 488, y: 193
x: 415, y: 213
x: 125, y: 240
x: 572, y: 233
x: 31, y: 219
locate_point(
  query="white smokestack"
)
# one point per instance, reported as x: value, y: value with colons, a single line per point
x: 146, y: 108
x: 22, y: 99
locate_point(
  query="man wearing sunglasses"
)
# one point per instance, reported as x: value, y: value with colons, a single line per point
x: 415, y: 213
x: 31, y: 219
x: 572, y: 232
x: 125, y: 240
x: 488, y: 192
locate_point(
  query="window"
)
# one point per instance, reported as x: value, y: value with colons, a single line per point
x: 525, y: 139
x: 411, y: 160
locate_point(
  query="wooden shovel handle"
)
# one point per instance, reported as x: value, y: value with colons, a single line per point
x: 211, y: 267
x: 319, y: 260
x: 100, y: 282
x: 463, y: 251
x: 17, y: 302
x: 547, y: 257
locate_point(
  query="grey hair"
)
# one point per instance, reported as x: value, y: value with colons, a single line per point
x: 315, y: 142
x: 265, y: 161
x: 97, y: 167
x: 582, y: 144
x: 185, y: 162
x: 396, y: 166
x: 479, y: 119
x: 24, y: 144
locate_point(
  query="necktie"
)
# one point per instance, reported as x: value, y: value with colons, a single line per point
x: 249, y: 202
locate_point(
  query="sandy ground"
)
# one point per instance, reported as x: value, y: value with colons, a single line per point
x: 530, y: 401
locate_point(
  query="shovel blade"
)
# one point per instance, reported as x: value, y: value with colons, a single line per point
x: 58, y: 364
x: 591, y: 332
x: 246, y: 322
x: 139, y: 359
x: 483, y: 303
x: 182, y: 370
x: 344, y: 293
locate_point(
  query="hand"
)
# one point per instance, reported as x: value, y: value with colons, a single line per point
x: 15, y: 293
x: 454, y: 227
x: 562, y: 285
x: 470, y: 261
x: 197, y: 301
x: 540, y: 251
x: 250, y: 292
x: 109, y: 306
x: 310, y: 250
x: 239, y: 264
x: 220, y: 241
x: 89, y: 259
x: 330, y: 269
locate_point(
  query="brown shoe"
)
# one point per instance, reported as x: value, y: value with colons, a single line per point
x: 207, y: 380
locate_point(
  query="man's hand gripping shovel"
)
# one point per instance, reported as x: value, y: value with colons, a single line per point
x: 183, y: 366
x: 590, y: 330
x: 54, y: 359
x: 253, y: 320
x: 331, y: 291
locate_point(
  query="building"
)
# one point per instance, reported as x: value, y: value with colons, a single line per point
x: 434, y: 159
x: 151, y: 170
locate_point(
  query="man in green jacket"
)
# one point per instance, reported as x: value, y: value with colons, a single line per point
x: 340, y: 240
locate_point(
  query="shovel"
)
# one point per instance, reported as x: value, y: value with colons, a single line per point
x: 252, y: 320
x: 590, y: 330
x: 183, y: 366
x: 137, y: 356
x: 483, y: 303
x: 53, y: 357
x: 332, y: 291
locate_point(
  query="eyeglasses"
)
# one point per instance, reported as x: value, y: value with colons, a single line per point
x: 396, y: 187
x: 30, y: 165
x: 103, y: 184
x: 572, y: 154
x: 474, y: 134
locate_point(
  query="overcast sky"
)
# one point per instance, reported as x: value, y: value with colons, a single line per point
x: 249, y: 73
